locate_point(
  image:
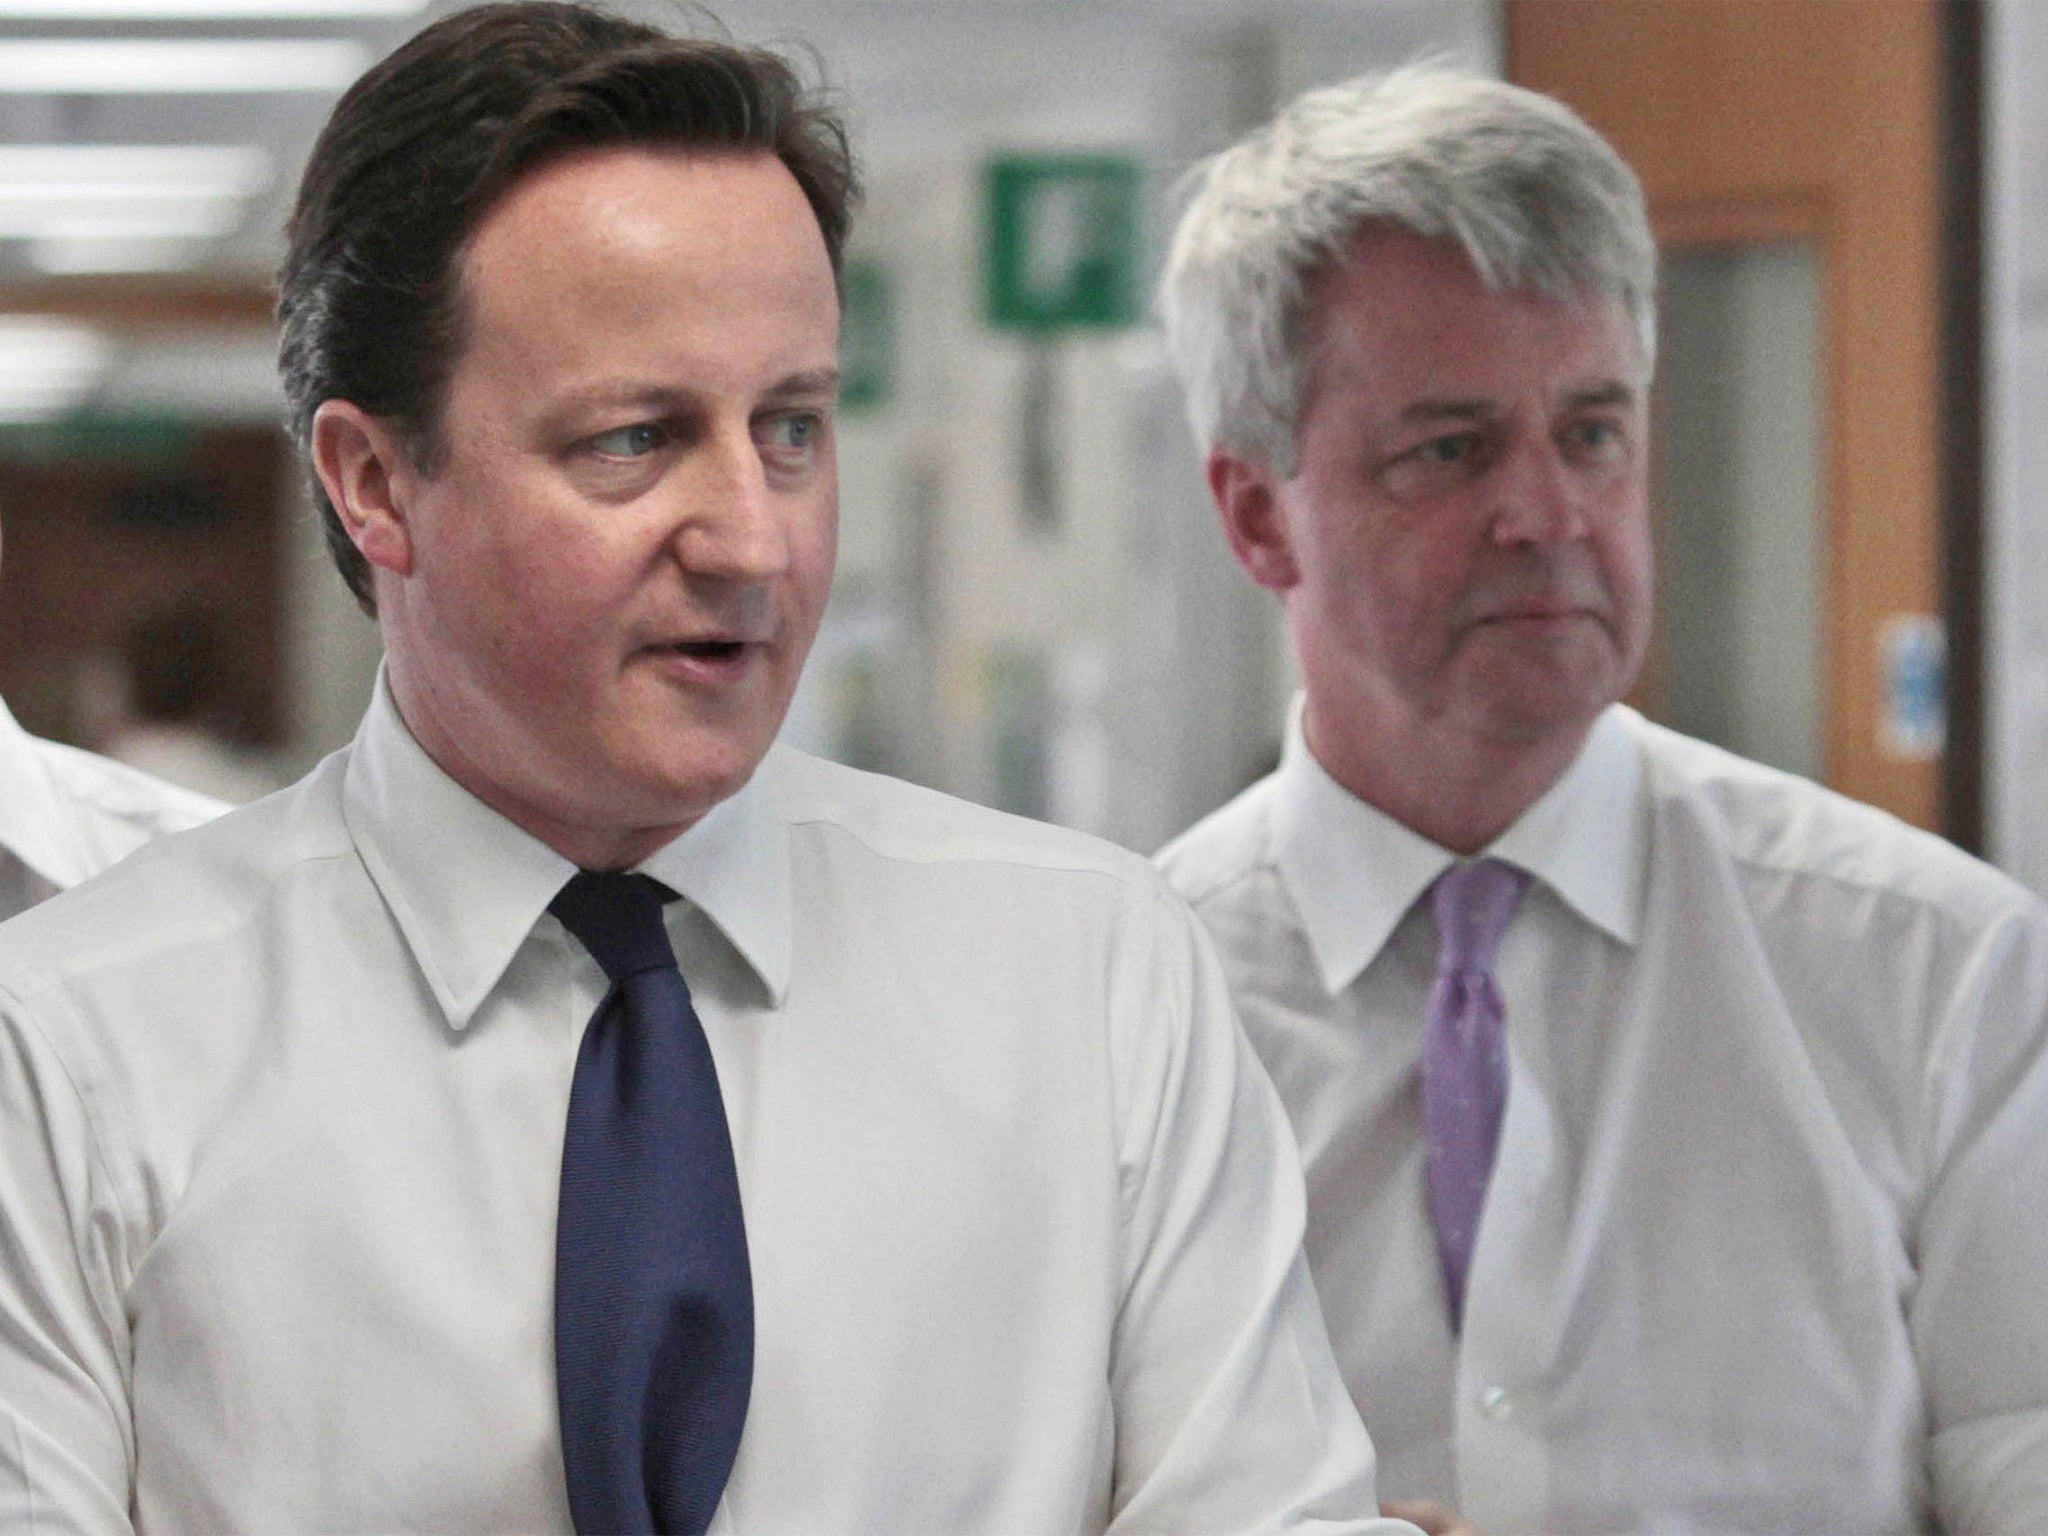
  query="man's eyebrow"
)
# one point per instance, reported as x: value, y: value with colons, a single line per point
x: 1594, y: 396
x: 634, y: 394
x: 818, y: 381
x: 1455, y: 410
x: 630, y: 394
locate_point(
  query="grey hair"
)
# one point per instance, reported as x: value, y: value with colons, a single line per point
x: 1536, y: 200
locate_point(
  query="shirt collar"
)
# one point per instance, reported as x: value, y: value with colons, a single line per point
x: 1588, y: 838
x: 1573, y: 839
x: 1326, y: 838
x: 733, y: 866
x: 466, y: 886
x: 36, y: 823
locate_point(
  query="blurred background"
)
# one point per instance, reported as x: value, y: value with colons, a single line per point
x: 1034, y: 608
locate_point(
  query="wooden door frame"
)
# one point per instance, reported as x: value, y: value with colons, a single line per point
x: 1764, y: 117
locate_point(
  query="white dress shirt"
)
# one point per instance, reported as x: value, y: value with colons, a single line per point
x: 281, y: 1113
x: 1765, y: 1247
x: 65, y: 815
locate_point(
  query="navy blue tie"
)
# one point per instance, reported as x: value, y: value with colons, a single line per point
x: 654, y: 1306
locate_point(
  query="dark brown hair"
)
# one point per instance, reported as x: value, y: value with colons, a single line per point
x: 423, y: 146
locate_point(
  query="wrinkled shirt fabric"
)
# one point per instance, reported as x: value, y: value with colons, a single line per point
x: 1763, y: 1248
x: 281, y: 1118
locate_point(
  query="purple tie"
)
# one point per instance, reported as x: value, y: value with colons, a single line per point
x: 1464, y: 1057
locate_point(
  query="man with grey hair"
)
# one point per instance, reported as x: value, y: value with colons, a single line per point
x: 1676, y: 1130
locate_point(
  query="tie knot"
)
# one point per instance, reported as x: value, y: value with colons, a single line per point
x: 618, y: 918
x: 1473, y: 903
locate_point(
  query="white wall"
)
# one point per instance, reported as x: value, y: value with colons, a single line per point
x: 1115, y: 672
x: 1159, y: 682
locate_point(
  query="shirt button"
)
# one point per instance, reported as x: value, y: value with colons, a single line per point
x: 1497, y: 1403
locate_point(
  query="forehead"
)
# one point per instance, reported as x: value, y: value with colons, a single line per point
x: 622, y: 239
x: 1404, y: 316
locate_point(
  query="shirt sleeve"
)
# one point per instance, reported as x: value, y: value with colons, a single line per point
x: 1977, y: 1316
x: 66, y: 1442
x: 1231, y: 1414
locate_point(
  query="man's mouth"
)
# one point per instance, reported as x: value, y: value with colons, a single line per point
x: 709, y: 663
x: 708, y: 650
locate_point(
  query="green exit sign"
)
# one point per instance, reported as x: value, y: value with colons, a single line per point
x: 1062, y: 241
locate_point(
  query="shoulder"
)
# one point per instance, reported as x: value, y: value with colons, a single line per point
x: 1224, y: 850
x: 890, y: 821
x: 127, y: 797
x: 178, y: 893
x: 1780, y: 828
x: 961, y: 893
x: 1227, y: 869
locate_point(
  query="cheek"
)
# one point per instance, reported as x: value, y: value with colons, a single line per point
x: 1428, y: 581
x: 814, y: 552
x: 537, y: 616
x: 544, y: 576
x: 1371, y: 611
x: 1626, y: 556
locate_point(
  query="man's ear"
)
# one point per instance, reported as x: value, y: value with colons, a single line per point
x: 1247, y: 501
x: 367, y: 474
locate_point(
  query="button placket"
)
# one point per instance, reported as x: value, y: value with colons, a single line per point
x: 1508, y: 1341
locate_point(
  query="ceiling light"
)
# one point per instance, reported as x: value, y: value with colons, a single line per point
x: 121, y: 221
x: 86, y: 174
x: 131, y: 253
x: 123, y: 66
x: 202, y: 10
x: 47, y: 365
x: 93, y: 194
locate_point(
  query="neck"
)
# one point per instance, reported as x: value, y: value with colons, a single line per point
x: 592, y: 843
x: 1457, y: 788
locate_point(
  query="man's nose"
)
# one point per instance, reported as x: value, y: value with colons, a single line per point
x: 731, y: 526
x: 1538, y: 499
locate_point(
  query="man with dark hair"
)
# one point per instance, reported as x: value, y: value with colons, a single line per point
x: 370, y: 304
x: 366, y: 1162
x: 1676, y: 1131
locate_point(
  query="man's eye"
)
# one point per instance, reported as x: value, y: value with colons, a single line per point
x: 795, y: 430
x: 1596, y: 439
x: 632, y: 442
x: 1436, y: 465
x: 791, y: 431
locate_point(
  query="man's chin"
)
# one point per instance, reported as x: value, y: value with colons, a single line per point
x: 1544, y: 707
x: 697, y: 747
x: 698, y: 780
x: 657, y: 785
